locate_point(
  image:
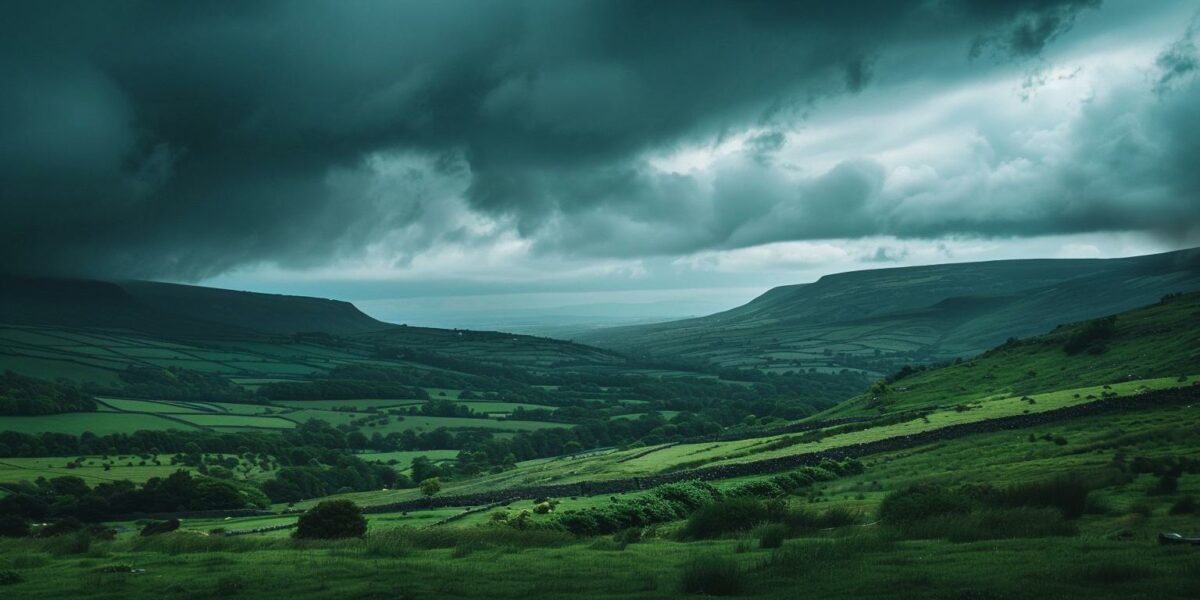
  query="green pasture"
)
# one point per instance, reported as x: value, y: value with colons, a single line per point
x: 360, y: 405
x: 228, y: 421
x: 99, y: 423
x: 148, y: 406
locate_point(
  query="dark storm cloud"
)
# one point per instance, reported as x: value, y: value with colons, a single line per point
x: 1029, y: 32
x: 1180, y: 60
x: 181, y: 140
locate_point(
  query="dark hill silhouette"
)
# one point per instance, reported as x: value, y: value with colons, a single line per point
x: 267, y: 313
x: 879, y: 318
x: 84, y: 303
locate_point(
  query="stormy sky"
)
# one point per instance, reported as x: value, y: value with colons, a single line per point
x: 431, y: 159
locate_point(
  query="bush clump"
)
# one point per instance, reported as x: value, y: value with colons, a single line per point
x: 61, y: 527
x: 1067, y: 494
x: 729, y: 515
x: 969, y: 513
x: 992, y: 524
x: 665, y: 503
x: 1184, y: 506
x: 160, y: 527
x: 923, y: 501
x: 332, y: 519
x: 13, y: 526
x: 712, y: 576
x: 1093, y: 337
x: 771, y: 536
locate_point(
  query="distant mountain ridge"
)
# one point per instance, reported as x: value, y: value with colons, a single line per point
x: 878, y: 319
x: 172, y: 309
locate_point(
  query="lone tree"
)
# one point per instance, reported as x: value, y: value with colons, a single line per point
x: 431, y: 486
x: 330, y: 520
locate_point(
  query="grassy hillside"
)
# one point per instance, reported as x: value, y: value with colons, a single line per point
x: 880, y: 319
x: 1162, y: 340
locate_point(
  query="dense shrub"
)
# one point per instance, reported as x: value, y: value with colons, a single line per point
x: 665, y: 503
x: 1184, y: 506
x: 923, y: 501
x: 21, y: 395
x: 800, y: 521
x: 1168, y: 483
x: 61, y: 527
x: 10, y: 578
x: 1067, y: 494
x: 712, y: 576
x: 13, y: 526
x: 771, y: 536
x: 1092, y: 337
x: 729, y: 515
x: 332, y: 519
x: 990, y: 524
x: 160, y: 527
x: 688, y: 494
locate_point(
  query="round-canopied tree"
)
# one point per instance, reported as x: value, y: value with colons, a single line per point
x: 332, y: 519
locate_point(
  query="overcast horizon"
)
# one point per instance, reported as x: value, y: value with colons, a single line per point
x: 475, y: 163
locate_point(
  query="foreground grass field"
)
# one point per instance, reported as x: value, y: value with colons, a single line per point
x: 476, y: 563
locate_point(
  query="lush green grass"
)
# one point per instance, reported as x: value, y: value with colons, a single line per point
x: 227, y: 421
x: 479, y: 565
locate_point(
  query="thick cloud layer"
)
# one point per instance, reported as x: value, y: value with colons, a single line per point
x: 183, y: 140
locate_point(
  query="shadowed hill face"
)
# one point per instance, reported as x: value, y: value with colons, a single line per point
x: 877, y: 320
x: 268, y: 313
x: 169, y: 309
x: 92, y: 304
x: 493, y: 347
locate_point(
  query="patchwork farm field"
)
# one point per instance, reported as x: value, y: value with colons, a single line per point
x: 666, y: 458
x: 1111, y: 551
x: 119, y: 415
x: 99, y: 423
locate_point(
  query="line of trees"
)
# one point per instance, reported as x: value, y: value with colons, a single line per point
x: 24, y: 396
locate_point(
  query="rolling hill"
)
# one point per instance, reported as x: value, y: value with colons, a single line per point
x: 878, y: 320
x: 89, y: 331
